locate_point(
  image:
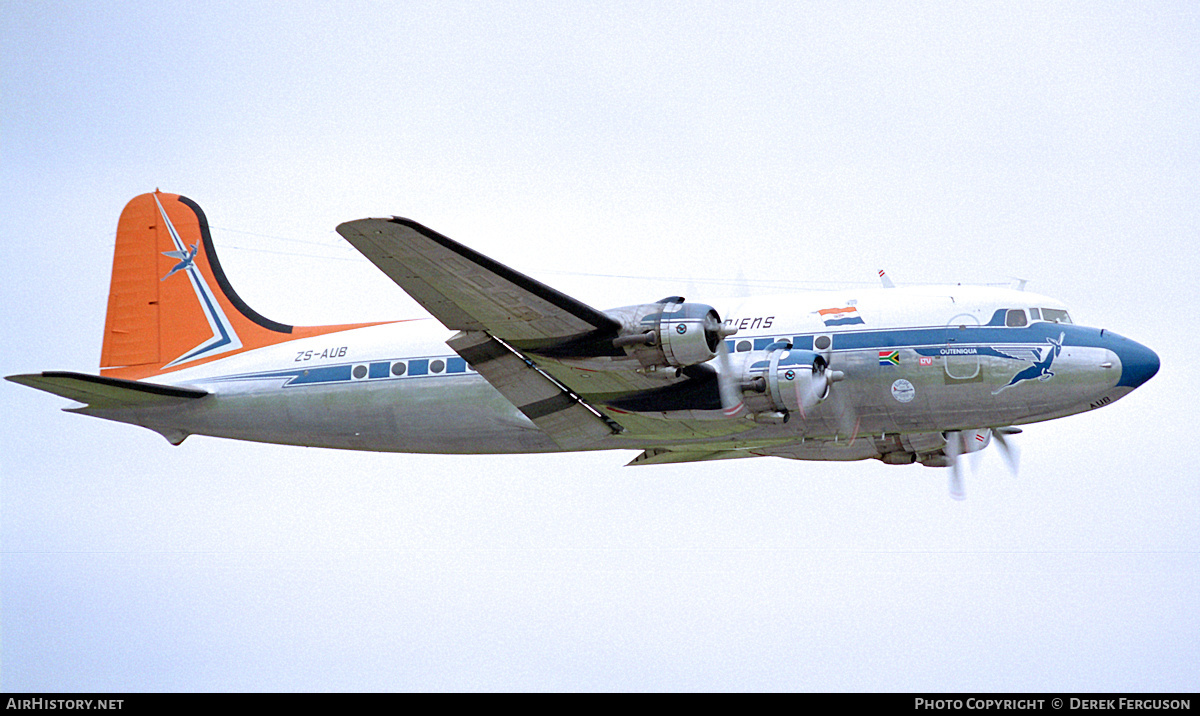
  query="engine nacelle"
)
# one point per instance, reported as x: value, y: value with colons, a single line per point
x: 671, y: 333
x: 780, y: 381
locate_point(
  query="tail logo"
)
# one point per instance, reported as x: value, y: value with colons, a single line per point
x: 224, y: 338
x: 186, y: 259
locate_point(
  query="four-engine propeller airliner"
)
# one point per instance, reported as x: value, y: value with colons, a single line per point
x: 510, y: 365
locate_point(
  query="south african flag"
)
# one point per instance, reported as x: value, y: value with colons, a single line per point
x: 889, y: 357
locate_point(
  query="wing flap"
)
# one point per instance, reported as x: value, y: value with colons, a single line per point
x: 664, y: 456
x: 560, y: 414
x: 101, y: 392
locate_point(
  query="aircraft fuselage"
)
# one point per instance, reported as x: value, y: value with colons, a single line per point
x: 915, y: 361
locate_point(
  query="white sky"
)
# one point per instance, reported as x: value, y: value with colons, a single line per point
x: 682, y: 142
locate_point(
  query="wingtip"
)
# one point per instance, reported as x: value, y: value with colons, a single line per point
x: 360, y: 226
x: 23, y: 378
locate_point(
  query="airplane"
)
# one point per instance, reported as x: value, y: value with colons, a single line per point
x: 507, y: 364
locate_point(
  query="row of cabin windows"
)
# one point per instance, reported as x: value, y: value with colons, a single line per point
x: 1015, y: 318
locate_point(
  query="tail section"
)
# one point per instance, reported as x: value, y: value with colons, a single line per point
x: 170, y: 305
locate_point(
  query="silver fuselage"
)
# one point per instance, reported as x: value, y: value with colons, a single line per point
x: 915, y: 361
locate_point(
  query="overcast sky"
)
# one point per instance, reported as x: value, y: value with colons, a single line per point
x: 619, y: 152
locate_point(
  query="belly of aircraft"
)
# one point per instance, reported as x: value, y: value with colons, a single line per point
x: 453, y: 415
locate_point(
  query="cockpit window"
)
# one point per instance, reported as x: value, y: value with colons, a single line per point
x: 1015, y: 318
x: 1035, y: 314
x: 1054, y: 315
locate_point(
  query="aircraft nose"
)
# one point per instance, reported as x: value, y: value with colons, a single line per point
x: 1138, y: 363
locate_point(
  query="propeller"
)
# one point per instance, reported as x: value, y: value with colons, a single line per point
x: 953, y: 449
x: 727, y: 382
x: 976, y: 459
x: 1008, y: 449
x: 820, y: 388
x: 809, y: 393
x: 848, y: 421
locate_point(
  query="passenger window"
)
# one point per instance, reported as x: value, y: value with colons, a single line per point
x: 1015, y: 318
x: 1055, y: 316
x: 1035, y: 315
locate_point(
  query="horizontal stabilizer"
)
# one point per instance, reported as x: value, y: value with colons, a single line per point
x: 100, y: 392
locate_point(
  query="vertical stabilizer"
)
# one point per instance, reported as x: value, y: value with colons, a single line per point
x: 170, y: 305
x: 131, y: 327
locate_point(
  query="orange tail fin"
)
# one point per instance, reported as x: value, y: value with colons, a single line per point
x: 170, y: 305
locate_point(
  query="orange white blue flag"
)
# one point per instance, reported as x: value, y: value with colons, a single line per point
x: 847, y: 316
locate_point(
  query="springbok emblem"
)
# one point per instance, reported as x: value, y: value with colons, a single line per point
x: 1040, y: 368
x: 186, y: 260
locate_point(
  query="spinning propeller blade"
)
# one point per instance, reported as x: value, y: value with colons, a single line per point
x: 953, y: 449
x: 727, y: 382
x: 1008, y: 450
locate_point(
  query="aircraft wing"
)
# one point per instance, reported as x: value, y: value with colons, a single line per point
x: 468, y: 291
x: 544, y: 330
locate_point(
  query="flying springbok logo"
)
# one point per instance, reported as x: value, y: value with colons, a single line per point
x: 224, y: 338
x: 1040, y: 368
x: 186, y: 259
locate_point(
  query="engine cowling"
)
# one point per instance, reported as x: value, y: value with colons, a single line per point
x: 779, y: 381
x: 672, y: 333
